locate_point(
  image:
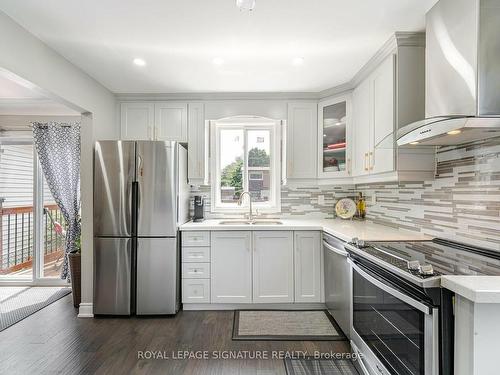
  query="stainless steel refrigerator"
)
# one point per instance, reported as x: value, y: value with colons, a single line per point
x: 141, y: 195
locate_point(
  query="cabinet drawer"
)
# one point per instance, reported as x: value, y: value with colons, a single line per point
x: 195, y: 254
x: 195, y: 270
x: 195, y: 238
x: 195, y: 291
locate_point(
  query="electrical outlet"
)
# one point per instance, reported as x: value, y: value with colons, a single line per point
x: 321, y: 200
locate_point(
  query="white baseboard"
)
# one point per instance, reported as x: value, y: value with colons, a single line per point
x: 86, y: 310
x: 256, y: 306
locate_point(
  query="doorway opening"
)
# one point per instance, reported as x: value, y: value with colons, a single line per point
x: 32, y: 227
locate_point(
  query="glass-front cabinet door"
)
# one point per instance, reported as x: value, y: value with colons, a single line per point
x: 334, y: 138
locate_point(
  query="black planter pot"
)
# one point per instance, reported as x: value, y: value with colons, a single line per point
x: 75, y: 269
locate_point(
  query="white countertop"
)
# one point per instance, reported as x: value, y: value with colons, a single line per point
x: 478, y: 289
x: 344, y: 229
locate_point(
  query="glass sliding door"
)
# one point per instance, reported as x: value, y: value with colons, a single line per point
x: 53, y: 235
x: 31, y: 224
x: 17, y: 215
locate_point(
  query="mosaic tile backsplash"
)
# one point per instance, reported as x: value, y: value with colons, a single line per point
x: 462, y: 203
x: 296, y: 202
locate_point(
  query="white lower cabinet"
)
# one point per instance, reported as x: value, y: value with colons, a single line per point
x: 307, y: 246
x: 272, y: 266
x: 196, y: 270
x: 195, y: 290
x: 231, y: 267
x: 196, y: 267
x: 268, y: 266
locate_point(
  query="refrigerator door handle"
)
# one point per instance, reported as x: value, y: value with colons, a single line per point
x: 139, y: 170
x: 138, y: 205
x: 134, y: 204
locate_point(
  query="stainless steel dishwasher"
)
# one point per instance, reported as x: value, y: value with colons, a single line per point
x: 338, y: 281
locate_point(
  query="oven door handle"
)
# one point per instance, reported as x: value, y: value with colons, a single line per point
x: 395, y: 293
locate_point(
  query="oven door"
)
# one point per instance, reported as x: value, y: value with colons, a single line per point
x: 399, y: 328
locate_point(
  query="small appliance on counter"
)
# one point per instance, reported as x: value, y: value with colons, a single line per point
x: 199, y: 208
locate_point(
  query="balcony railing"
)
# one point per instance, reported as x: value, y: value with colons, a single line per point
x: 17, y: 241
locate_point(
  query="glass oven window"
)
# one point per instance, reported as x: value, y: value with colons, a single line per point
x: 392, y: 329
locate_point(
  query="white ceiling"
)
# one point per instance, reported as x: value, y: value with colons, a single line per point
x: 17, y: 99
x: 180, y: 38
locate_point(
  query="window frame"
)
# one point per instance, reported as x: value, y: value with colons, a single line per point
x: 246, y: 124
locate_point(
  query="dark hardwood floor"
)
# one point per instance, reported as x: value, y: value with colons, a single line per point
x: 55, y: 341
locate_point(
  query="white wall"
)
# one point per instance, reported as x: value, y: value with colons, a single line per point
x: 27, y: 57
x: 275, y: 109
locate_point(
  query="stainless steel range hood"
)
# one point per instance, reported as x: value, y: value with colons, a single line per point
x: 462, y: 93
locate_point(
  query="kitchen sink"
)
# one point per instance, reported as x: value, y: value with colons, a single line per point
x: 248, y: 222
x: 266, y: 222
x: 235, y: 222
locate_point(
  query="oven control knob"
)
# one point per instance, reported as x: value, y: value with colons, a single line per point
x: 414, y: 265
x: 427, y: 269
x: 359, y: 243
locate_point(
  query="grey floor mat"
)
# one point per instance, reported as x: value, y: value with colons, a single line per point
x: 285, y: 325
x: 17, y: 303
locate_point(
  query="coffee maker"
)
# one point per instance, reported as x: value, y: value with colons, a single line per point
x: 199, y: 208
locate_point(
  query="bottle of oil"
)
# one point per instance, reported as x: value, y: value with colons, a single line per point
x: 361, y: 206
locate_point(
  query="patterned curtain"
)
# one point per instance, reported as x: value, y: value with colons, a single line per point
x: 58, y: 149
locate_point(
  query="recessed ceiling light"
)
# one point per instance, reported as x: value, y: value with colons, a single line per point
x: 218, y: 61
x: 297, y: 61
x: 414, y: 143
x: 454, y: 132
x: 139, y: 62
x: 245, y: 4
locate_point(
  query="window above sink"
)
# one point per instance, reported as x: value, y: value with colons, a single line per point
x: 246, y: 157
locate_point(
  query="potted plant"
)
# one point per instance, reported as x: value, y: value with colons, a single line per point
x: 75, y: 270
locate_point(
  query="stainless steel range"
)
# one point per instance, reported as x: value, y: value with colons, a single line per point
x: 402, y: 320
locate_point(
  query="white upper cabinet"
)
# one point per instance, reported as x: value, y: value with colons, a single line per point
x: 231, y: 267
x: 154, y: 121
x: 301, y: 141
x: 382, y: 137
x: 334, y: 137
x: 196, y: 142
x: 362, y: 128
x: 373, y: 103
x: 171, y: 121
x: 273, y: 267
x: 389, y: 97
x: 137, y: 121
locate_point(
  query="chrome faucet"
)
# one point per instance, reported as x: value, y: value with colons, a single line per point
x: 240, y: 201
